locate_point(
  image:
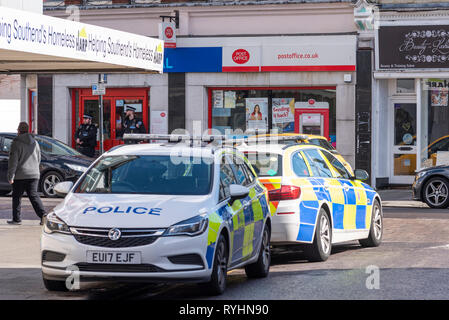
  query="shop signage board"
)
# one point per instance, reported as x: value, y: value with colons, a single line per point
x: 413, y: 47
x: 37, y: 34
x: 309, y: 53
x: 241, y: 59
x: 167, y: 33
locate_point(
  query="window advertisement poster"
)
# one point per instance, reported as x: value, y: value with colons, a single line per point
x: 159, y: 122
x: 257, y: 113
x: 439, y: 97
x: 229, y: 99
x: 283, y: 114
x: 217, y: 98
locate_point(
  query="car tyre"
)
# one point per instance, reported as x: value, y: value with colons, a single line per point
x: 436, y: 193
x: 376, y: 230
x: 217, y: 283
x: 55, y: 285
x: 261, y: 267
x: 48, y: 182
x: 321, y: 247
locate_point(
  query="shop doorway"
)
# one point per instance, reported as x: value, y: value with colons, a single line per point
x: 403, y: 119
x: 114, y: 103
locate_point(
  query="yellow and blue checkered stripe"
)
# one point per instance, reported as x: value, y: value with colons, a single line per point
x: 243, y: 225
x: 351, y: 209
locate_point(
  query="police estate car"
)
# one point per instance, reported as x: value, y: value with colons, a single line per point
x: 160, y: 212
x: 313, y: 198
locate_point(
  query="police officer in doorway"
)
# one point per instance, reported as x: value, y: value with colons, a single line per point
x: 86, y: 137
x: 132, y: 125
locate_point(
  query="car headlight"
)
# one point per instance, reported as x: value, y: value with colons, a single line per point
x: 420, y: 174
x: 190, y: 227
x: 76, y: 167
x: 53, y: 224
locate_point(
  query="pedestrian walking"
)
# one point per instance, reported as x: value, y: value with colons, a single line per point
x: 23, y: 172
x: 132, y: 125
x: 86, y: 137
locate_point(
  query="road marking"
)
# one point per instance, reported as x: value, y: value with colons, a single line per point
x: 446, y: 246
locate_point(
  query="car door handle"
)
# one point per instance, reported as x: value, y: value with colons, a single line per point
x: 326, y: 186
x: 405, y: 148
x: 346, y: 188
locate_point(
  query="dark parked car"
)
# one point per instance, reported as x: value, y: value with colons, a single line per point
x: 59, y: 162
x: 431, y: 185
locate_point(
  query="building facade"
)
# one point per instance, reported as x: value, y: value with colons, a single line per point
x: 295, y: 60
x: 410, y: 90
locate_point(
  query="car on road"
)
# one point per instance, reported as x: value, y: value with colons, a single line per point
x: 315, y: 201
x: 59, y: 162
x: 160, y: 212
x: 312, y: 139
x: 431, y: 185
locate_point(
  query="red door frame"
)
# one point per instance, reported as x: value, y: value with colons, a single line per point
x: 32, y: 111
x: 112, y: 94
x: 210, y: 89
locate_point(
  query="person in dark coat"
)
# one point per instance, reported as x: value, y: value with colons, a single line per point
x: 132, y: 125
x: 86, y: 137
x: 23, y: 172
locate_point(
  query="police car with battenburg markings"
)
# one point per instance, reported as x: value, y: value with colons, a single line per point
x: 184, y: 211
x: 314, y: 200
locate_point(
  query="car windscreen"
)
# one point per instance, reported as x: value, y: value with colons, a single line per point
x: 55, y: 148
x: 148, y: 174
x: 265, y: 164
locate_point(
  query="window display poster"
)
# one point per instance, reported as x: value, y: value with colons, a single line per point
x: 439, y: 98
x: 229, y: 99
x: 257, y: 113
x: 217, y: 98
x: 159, y: 122
x: 283, y: 115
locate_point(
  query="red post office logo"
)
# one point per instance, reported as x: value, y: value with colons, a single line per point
x: 311, y: 101
x: 240, y: 56
x: 169, y: 32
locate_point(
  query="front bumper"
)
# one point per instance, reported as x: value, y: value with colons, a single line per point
x: 155, y: 263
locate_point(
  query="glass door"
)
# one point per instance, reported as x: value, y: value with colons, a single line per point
x: 404, y: 143
x: 91, y: 107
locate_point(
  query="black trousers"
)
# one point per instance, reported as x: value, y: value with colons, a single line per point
x: 30, y: 186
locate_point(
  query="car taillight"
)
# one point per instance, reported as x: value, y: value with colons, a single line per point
x: 285, y: 193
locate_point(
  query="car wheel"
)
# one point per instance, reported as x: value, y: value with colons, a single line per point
x: 217, y: 283
x: 54, y: 285
x: 261, y: 267
x: 436, y: 193
x: 48, y: 182
x: 321, y: 247
x: 376, y: 230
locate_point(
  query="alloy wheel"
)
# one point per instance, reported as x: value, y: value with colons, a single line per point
x: 49, y: 184
x: 437, y: 192
x: 325, y: 234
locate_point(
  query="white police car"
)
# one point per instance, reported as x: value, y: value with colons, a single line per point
x: 159, y: 212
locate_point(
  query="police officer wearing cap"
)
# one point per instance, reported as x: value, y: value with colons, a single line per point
x: 132, y: 125
x: 86, y: 137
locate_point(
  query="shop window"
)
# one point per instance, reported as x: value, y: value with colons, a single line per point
x: 248, y: 110
x: 405, y: 86
x: 434, y: 136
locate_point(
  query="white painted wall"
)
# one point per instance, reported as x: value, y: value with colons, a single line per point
x: 25, y: 5
x: 10, y: 115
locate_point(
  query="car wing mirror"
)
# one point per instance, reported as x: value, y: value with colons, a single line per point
x: 62, y: 188
x: 360, y: 174
x: 238, y: 192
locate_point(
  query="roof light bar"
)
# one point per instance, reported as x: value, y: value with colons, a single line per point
x: 211, y: 138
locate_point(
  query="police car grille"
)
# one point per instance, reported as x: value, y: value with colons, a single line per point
x: 90, y: 267
x: 129, y: 237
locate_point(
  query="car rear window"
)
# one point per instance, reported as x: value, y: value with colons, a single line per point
x: 265, y: 164
x: 148, y: 175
